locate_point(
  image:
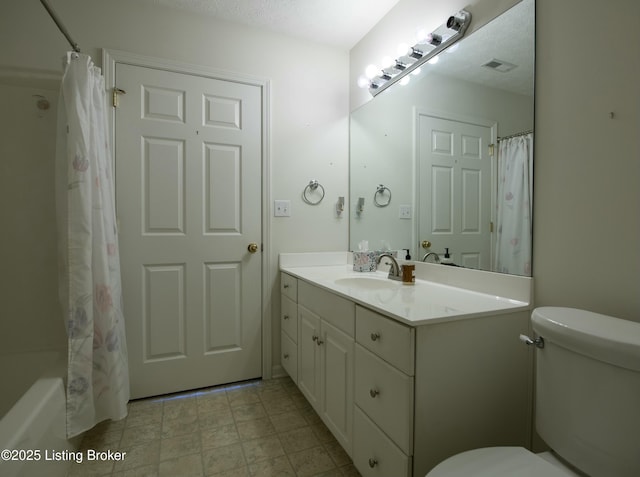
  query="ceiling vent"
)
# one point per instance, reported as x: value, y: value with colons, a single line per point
x: 499, y: 65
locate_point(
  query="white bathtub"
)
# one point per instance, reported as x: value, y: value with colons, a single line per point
x: 32, y: 406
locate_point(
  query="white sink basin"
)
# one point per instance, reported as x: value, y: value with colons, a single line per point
x: 367, y: 283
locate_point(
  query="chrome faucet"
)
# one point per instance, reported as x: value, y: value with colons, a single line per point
x: 394, y: 269
x: 428, y: 254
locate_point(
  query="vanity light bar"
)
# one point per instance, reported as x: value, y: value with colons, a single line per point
x: 440, y: 39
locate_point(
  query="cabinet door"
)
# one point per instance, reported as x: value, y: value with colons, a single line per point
x: 386, y: 395
x: 309, y: 356
x: 374, y: 454
x: 388, y: 339
x: 289, y: 286
x: 289, y: 356
x: 289, y: 317
x: 337, y: 351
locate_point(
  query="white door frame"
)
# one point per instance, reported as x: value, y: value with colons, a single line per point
x: 109, y: 60
x: 490, y: 123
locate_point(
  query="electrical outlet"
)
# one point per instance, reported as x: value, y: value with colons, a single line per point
x: 282, y: 208
x: 404, y: 212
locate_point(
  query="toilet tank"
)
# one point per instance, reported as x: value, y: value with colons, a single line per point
x: 588, y: 390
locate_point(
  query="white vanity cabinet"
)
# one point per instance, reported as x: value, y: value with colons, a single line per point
x: 402, y: 397
x: 289, y: 325
x: 325, y: 351
x: 425, y: 393
x: 325, y: 373
x: 384, y: 395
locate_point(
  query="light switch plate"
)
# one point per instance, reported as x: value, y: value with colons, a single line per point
x: 282, y: 208
x: 404, y: 212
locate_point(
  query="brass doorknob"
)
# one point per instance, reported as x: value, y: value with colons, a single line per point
x: 426, y: 244
x: 253, y: 247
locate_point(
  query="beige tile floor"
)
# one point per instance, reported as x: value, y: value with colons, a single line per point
x: 254, y: 428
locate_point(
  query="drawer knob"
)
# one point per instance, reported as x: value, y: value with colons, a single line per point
x: 372, y: 462
x: 286, y: 285
x: 319, y: 341
x: 314, y: 338
x: 375, y: 336
x: 373, y: 392
x: 286, y: 356
x: 286, y: 317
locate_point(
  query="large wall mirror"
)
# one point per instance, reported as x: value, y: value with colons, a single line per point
x: 447, y: 158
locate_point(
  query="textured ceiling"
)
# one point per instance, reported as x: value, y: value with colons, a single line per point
x: 340, y: 23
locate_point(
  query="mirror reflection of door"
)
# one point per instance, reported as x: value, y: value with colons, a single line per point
x: 454, y: 188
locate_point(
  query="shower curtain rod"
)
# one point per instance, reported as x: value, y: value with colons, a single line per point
x: 60, y: 26
x: 524, y: 133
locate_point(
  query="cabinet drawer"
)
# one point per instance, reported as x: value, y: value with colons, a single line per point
x: 392, y: 341
x: 386, y: 395
x: 289, y: 318
x: 373, y: 453
x: 289, y: 356
x: 334, y: 309
x: 289, y: 286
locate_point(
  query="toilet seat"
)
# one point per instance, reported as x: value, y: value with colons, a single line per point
x: 498, y: 462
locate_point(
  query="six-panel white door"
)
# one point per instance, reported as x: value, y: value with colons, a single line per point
x: 188, y: 188
x: 454, y: 188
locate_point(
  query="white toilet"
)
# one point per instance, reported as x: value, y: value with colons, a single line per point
x: 587, y: 403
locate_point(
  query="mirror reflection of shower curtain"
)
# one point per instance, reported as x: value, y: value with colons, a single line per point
x: 90, y: 287
x: 514, y: 205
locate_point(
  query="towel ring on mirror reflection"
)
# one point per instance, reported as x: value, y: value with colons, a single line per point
x: 380, y: 192
x: 312, y: 186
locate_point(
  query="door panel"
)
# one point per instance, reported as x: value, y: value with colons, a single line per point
x: 163, y: 313
x: 188, y: 188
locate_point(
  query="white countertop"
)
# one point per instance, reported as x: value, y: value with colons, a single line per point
x: 425, y: 302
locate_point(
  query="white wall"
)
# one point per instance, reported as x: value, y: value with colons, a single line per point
x: 30, y: 318
x: 309, y: 97
x: 587, y: 171
x: 587, y: 166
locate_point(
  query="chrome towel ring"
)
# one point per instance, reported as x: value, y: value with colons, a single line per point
x: 312, y: 186
x: 379, y: 196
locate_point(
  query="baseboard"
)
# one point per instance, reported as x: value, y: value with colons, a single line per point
x: 277, y: 371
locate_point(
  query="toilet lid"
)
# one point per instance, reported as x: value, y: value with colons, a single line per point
x: 497, y: 462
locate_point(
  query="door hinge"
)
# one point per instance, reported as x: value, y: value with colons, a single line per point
x: 491, y: 227
x: 114, y: 96
x: 491, y: 149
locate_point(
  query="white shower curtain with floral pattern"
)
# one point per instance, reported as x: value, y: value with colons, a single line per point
x: 90, y: 288
x: 514, y: 205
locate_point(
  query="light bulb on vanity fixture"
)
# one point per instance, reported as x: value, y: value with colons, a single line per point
x: 371, y: 71
x: 410, y: 59
x: 386, y: 62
